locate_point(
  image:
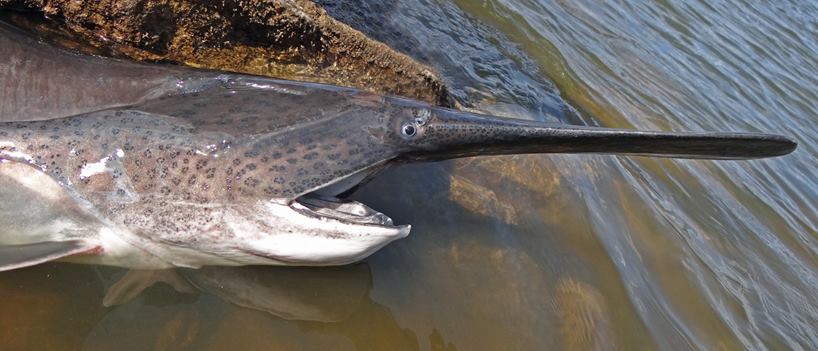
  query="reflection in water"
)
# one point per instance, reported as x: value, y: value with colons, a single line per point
x: 294, y: 293
x: 253, y: 307
x: 535, y: 252
x: 320, y: 295
x: 245, y: 307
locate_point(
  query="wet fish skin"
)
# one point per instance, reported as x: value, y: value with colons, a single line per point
x: 179, y: 173
x: 39, y: 81
x: 209, y: 157
x: 222, y: 169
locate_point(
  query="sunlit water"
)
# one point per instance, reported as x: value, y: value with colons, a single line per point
x: 559, y: 252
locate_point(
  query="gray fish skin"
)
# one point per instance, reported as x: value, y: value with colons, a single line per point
x: 190, y: 186
x: 238, y: 170
x: 147, y: 211
x: 39, y: 82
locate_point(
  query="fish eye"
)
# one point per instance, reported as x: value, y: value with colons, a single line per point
x: 409, y: 130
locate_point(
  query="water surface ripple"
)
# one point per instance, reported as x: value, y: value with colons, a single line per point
x: 712, y: 254
x: 739, y: 262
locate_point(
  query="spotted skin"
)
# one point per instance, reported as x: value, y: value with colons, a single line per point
x: 172, y: 166
x: 172, y: 170
x: 222, y: 169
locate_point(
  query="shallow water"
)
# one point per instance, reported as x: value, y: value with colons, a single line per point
x: 532, y: 252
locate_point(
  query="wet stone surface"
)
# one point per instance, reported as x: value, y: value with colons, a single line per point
x: 291, y: 40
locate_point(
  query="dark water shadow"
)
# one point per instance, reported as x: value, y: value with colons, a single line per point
x: 477, y: 63
x: 461, y: 271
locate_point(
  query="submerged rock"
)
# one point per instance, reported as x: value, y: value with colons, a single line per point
x: 285, y: 39
x: 480, y: 200
x: 584, y: 317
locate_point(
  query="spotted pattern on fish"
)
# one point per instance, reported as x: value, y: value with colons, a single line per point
x: 157, y: 165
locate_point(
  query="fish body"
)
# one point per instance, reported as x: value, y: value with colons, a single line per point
x: 158, y: 166
x: 177, y: 182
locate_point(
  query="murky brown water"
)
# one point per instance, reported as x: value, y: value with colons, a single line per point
x: 561, y: 252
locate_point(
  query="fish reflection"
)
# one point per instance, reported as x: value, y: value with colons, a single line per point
x: 294, y: 293
x: 219, y: 308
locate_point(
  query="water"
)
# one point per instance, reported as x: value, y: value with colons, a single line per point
x: 532, y: 252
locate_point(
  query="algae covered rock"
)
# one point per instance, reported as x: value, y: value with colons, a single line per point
x: 293, y: 39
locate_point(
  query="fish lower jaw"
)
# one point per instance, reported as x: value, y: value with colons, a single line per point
x: 316, y: 250
x: 280, y: 234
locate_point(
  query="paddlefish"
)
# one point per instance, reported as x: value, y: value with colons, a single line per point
x: 152, y: 166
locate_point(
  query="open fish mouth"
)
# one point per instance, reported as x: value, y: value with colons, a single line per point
x: 348, y: 211
x: 316, y: 230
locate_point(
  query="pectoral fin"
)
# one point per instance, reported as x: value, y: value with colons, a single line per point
x: 19, y: 256
x: 135, y: 281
